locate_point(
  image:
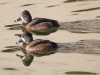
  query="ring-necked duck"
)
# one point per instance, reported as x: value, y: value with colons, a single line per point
x: 38, y: 46
x: 36, y: 23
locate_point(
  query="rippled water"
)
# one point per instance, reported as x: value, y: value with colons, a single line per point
x: 68, y: 28
x: 80, y: 36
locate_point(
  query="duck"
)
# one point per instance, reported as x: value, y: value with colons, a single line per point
x: 37, y: 47
x: 36, y: 23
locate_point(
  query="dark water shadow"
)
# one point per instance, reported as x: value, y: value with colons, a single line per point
x: 10, y: 49
x: 13, y: 27
x: 68, y: 1
x: 82, y: 46
x: 97, y: 17
x: 51, y: 6
x: 3, y: 3
x: 27, y: 5
x: 14, y: 69
x: 90, y: 9
x: 79, y: 73
x: 81, y: 26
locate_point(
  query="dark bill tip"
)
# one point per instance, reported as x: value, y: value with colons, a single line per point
x: 19, y: 19
x: 19, y: 41
x: 19, y: 56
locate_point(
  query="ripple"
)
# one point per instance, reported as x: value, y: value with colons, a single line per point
x: 80, y: 72
x: 9, y: 69
x: 13, y: 27
x: 12, y: 49
x: 68, y: 1
x: 82, y: 26
x: 82, y: 46
x: 26, y: 5
x: 51, y: 6
x: 3, y: 3
x: 89, y: 9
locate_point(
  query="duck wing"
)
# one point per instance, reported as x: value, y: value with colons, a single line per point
x: 39, y: 20
x: 41, y: 47
x: 40, y: 41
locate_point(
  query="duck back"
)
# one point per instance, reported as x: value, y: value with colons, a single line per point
x: 42, y: 47
x: 39, y: 20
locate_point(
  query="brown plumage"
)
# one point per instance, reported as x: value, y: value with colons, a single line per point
x: 36, y: 23
x: 37, y: 47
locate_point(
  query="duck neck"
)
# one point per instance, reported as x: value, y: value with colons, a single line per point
x: 24, y: 45
x: 28, y: 41
x: 24, y: 24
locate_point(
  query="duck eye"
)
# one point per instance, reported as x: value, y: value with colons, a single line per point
x: 24, y: 15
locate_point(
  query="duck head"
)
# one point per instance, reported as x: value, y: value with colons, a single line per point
x: 26, y: 37
x: 26, y: 59
x: 25, y: 17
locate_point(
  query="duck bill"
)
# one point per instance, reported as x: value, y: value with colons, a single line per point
x: 19, y: 19
x: 19, y: 41
x: 20, y: 56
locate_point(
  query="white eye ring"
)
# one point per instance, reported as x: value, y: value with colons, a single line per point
x: 23, y: 39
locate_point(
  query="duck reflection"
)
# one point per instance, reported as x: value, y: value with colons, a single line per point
x: 26, y: 59
x: 38, y: 47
